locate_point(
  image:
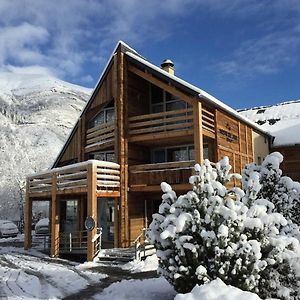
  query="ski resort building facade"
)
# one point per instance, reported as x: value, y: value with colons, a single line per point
x: 141, y: 126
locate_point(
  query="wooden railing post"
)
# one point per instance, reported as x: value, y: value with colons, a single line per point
x: 55, y: 210
x: 91, y: 207
x: 198, y: 132
x: 27, y: 218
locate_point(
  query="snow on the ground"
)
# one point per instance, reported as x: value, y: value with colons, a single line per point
x: 30, y: 274
x: 281, y: 120
x: 217, y: 290
x: 149, y: 264
x: 147, y: 289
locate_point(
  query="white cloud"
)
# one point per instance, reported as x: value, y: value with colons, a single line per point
x: 64, y: 36
x: 276, y: 44
x: 32, y: 70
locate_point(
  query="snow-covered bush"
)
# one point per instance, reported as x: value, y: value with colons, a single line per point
x: 228, y: 233
x: 282, y: 191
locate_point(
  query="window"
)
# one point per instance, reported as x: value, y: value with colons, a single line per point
x: 164, y: 101
x: 103, y: 155
x: 179, y: 153
x: 169, y: 154
x: 106, y: 115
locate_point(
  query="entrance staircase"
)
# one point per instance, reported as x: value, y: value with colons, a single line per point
x: 139, y: 250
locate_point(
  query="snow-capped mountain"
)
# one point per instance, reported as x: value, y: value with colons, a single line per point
x: 281, y: 120
x: 37, y: 112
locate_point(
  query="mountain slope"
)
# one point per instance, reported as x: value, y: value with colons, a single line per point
x: 36, y: 115
x: 281, y: 120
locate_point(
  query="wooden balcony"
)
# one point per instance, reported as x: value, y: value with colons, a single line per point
x: 148, y: 177
x: 100, y: 137
x: 74, y: 179
x: 174, y: 124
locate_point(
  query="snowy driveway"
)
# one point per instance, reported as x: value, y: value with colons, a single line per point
x: 33, y: 275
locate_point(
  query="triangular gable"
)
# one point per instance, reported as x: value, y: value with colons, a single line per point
x: 134, y: 57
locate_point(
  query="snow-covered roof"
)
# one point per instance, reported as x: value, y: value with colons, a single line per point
x: 281, y: 120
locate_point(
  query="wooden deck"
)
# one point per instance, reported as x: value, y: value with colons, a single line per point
x: 168, y: 124
x: 73, y: 179
x: 149, y: 176
x: 93, y: 178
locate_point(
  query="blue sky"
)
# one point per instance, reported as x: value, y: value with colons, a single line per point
x: 244, y: 52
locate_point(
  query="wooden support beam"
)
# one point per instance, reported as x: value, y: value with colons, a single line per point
x: 27, y: 218
x: 198, y: 132
x: 55, y: 212
x: 121, y: 146
x: 165, y: 86
x: 91, y: 208
x: 116, y: 222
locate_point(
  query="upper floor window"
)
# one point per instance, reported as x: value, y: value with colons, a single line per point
x: 178, y: 153
x: 106, y: 115
x: 169, y: 154
x: 163, y: 101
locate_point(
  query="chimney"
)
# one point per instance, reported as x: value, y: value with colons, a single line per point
x: 168, y: 66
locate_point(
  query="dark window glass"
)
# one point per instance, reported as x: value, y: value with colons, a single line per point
x: 159, y: 156
x: 157, y: 95
x: 157, y: 108
x: 175, y: 105
x: 110, y: 157
x: 110, y: 114
x: 177, y: 154
x: 191, y: 153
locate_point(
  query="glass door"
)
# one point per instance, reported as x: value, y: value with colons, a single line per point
x: 106, y: 218
x: 68, y: 215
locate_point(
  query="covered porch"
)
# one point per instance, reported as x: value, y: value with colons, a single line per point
x: 86, y: 182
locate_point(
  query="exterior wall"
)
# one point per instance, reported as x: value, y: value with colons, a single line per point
x: 74, y: 152
x: 136, y: 215
x: 233, y: 139
x: 224, y: 134
x: 291, y: 161
x: 260, y: 146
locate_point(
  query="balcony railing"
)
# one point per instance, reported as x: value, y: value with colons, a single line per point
x: 181, y: 121
x: 153, y: 174
x: 162, y: 122
x: 67, y: 179
x: 100, y: 136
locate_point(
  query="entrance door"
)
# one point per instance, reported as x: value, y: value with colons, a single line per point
x: 68, y: 213
x: 106, y: 212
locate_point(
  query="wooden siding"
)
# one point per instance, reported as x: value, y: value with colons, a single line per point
x: 71, y: 152
x: 234, y: 139
x: 136, y: 215
x: 74, y: 151
x: 154, y: 174
x: 291, y: 161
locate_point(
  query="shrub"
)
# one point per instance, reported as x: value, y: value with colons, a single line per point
x: 218, y: 232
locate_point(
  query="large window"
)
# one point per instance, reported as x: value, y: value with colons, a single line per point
x: 164, y: 101
x: 168, y: 154
x: 106, y: 115
x: 179, y: 153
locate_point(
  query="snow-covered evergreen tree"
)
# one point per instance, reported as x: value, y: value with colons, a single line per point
x: 214, y: 231
x: 282, y: 191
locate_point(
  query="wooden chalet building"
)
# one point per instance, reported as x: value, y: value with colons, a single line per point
x: 141, y: 126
